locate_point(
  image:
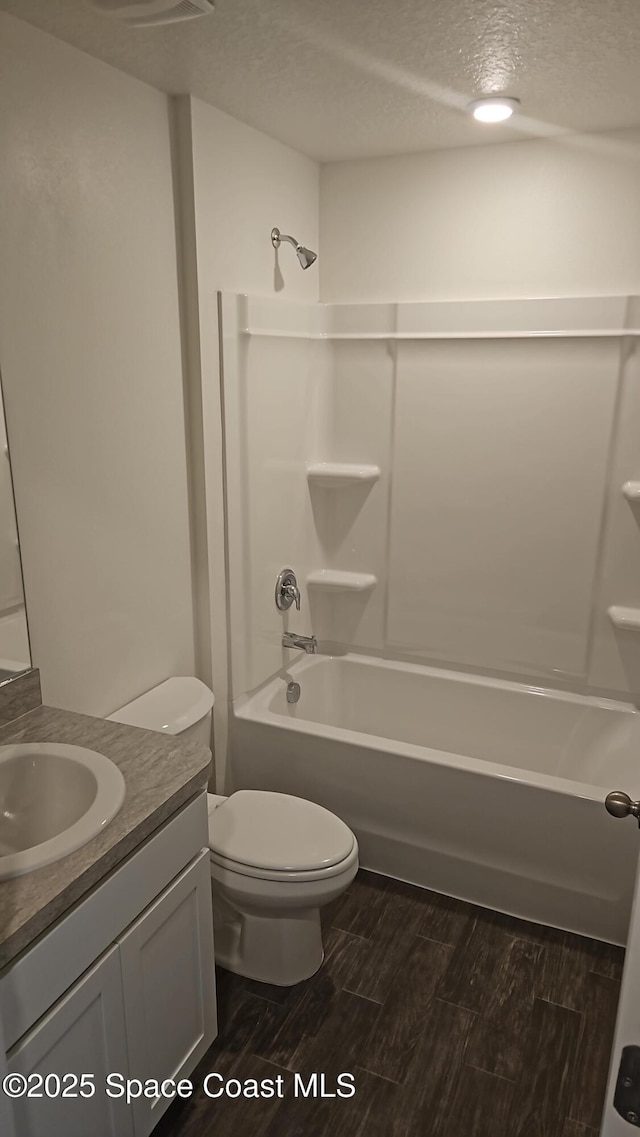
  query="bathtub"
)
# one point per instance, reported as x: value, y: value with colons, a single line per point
x: 484, y: 790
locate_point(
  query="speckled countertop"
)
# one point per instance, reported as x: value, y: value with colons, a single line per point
x: 161, y: 774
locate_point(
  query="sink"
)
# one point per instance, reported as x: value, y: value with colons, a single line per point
x: 54, y: 798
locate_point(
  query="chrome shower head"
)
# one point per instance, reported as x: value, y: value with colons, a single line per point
x: 305, y: 256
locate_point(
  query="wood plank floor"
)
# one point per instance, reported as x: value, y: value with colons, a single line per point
x: 455, y: 1021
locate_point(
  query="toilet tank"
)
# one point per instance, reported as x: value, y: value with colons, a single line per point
x: 181, y: 705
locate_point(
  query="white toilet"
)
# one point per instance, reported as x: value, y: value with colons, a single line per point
x: 275, y: 859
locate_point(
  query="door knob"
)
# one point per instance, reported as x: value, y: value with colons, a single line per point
x: 619, y: 804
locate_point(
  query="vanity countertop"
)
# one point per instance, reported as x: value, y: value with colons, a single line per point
x: 161, y: 774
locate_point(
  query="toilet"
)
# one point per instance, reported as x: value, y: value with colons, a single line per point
x: 275, y: 859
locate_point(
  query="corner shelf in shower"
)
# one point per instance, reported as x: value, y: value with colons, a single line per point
x: 631, y: 491
x: 333, y: 475
x: 627, y: 619
x: 336, y: 580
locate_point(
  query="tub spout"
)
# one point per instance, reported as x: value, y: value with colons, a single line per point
x: 305, y: 643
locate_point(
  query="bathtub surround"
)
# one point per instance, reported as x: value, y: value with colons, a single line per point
x: 495, y: 534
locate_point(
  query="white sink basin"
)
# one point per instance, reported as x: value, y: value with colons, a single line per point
x: 54, y: 798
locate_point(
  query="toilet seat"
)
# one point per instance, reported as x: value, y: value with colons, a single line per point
x: 272, y: 836
x: 290, y: 876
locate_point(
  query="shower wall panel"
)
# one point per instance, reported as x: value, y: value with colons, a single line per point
x: 275, y: 403
x: 500, y: 462
x: 615, y: 653
x: 351, y: 521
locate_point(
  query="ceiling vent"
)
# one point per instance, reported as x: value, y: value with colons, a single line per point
x: 151, y: 13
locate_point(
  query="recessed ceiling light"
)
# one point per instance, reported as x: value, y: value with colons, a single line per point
x: 492, y: 109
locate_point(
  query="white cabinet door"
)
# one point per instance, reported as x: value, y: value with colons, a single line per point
x: 84, y: 1033
x: 169, y: 986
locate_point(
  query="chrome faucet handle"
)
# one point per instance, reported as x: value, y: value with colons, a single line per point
x: 287, y: 591
x: 293, y: 593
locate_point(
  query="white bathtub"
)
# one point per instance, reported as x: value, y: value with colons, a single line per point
x: 489, y: 791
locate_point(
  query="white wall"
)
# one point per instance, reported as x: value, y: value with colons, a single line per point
x: 91, y: 366
x: 95, y: 398
x: 245, y: 183
x: 236, y: 185
x: 522, y: 219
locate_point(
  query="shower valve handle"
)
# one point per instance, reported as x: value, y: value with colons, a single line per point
x: 619, y: 804
x: 292, y: 593
x: 287, y: 591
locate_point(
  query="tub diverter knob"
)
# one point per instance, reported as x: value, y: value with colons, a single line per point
x: 619, y: 804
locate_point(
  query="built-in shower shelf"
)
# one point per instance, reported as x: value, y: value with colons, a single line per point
x: 335, y: 580
x: 333, y: 475
x: 626, y: 618
x: 631, y: 491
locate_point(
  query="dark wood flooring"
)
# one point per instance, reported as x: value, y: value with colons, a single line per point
x: 455, y: 1021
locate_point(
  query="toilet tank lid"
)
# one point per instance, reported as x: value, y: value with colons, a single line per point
x: 172, y: 707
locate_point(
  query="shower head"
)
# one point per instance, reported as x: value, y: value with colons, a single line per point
x: 305, y: 256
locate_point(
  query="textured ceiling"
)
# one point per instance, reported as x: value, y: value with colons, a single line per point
x: 356, y: 78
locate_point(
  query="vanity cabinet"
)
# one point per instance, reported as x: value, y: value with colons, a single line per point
x: 144, y: 1009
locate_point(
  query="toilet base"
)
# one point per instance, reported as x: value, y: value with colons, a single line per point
x: 282, y: 950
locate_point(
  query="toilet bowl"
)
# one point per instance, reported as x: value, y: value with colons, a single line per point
x: 275, y: 861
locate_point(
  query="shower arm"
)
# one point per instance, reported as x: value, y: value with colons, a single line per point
x: 277, y: 237
x: 305, y: 256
